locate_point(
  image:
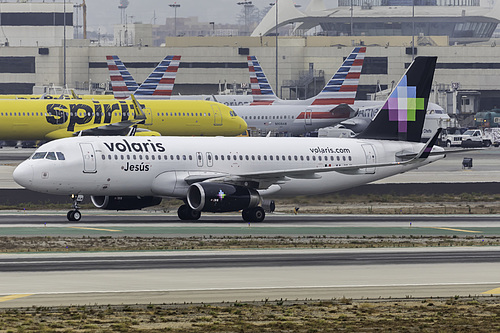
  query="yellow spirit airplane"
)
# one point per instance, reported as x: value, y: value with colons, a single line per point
x: 41, y: 119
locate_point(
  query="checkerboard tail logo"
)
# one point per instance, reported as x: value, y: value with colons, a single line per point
x: 403, y: 113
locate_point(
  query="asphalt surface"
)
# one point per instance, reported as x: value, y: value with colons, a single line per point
x: 49, y: 263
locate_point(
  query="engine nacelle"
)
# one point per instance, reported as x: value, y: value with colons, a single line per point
x: 124, y: 203
x: 219, y: 198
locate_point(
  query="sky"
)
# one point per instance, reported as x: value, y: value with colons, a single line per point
x: 105, y: 13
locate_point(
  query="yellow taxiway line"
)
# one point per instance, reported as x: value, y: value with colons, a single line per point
x: 11, y: 297
x: 495, y: 291
x: 461, y: 230
x: 99, y: 229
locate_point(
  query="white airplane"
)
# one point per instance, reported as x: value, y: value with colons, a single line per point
x: 231, y: 174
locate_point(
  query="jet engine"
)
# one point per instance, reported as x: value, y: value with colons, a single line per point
x: 218, y: 198
x: 124, y: 203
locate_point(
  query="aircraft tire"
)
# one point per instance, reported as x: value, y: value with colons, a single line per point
x: 256, y: 214
x: 74, y: 215
x: 185, y: 213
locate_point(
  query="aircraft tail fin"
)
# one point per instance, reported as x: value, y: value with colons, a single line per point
x: 122, y: 82
x: 403, y: 113
x: 160, y: 82
x: 342, y: 87
x: 262, y: 91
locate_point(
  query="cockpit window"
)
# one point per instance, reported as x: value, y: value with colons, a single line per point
x: 60, y: 156
x: 232, y: 113
x: 38, y: 156
x: 51, y: 156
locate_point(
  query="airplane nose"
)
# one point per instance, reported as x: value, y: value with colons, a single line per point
x: 23, y: 174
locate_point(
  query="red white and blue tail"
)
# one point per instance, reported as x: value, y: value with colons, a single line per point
x: 342, y: 87
x: 122, y: 82
x: 262, y: 91
x: 160, y: 83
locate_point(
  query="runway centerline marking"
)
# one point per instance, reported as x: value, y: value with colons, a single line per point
x: 495, y: 291
x: 99, y: 229
x: 451, y: 229
x: 11, y: 297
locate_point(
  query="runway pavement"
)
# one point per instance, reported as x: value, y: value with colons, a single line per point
x: 226, y: 276
x: 208, y: 276
x: 97, y: 223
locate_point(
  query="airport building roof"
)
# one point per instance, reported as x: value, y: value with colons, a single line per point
x: 462, y: 24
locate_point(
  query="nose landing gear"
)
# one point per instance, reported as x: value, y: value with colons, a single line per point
x: 74, y: 215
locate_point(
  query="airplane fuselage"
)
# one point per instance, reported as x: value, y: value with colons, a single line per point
x: 162, y: 166
x: 291, y: 119
x: 53, y: 119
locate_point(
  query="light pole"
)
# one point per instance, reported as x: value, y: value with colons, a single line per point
x: 213, y: 27
x: 276, y: 36
x: 64, y: 46
x: 175, y: 5
x: 246, y: 5
x: 413, y: 30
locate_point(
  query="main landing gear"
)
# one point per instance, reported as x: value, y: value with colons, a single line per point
x: 255, y: 214
x: 186, y: 213
x: 74, y: 215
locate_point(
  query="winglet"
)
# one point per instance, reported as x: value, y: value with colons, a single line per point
x: 139, y: 112
x: 425, y: 152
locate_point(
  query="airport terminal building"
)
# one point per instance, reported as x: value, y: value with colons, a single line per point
x: 466, y: 79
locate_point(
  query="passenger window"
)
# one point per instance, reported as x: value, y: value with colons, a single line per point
x: 146, y: 157
x: 51, y: 156
x: 103, y: 157
x: 38, y: 156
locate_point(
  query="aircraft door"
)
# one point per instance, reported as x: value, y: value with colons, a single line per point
x: 217, y: 115
x: 89, y: 160
x: 308, y: 117
x: 199, y: 159
x: 370, y: 157
x: 210, y: 161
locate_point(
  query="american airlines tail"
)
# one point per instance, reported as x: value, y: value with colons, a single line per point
x: 342, y: 87
x: 122, y: 82
x: 262, y: 91
x: 160, y: 82
x: 403, y: 113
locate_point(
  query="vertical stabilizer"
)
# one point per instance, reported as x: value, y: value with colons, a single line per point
x: 160, y: 82
x: 122, y: 82
x: 403, y: 114
x: 343, y: 86
x: 262, y: 91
